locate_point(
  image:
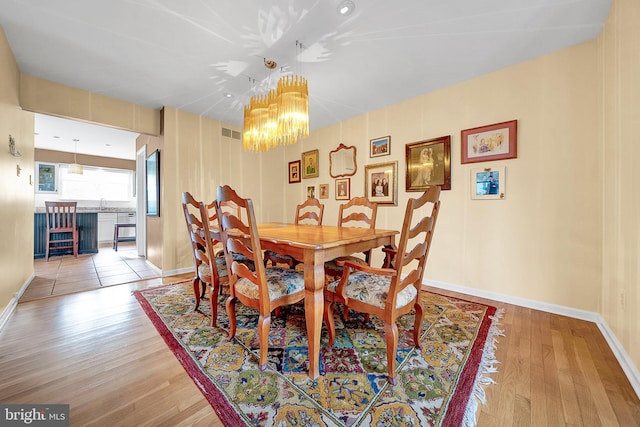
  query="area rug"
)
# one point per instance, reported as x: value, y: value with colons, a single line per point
x: 438, y: 385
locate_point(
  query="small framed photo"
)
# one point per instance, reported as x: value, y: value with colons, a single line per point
x: 311, y: 191
x: 487, y: 143
x: 380, y: 146
x: 324, y: 191
x: 294, y: 171
x: 343, y: 189
x: 488, y: 183
x: 428, y: 164
x: 381, y: 183
x: 310, y: 168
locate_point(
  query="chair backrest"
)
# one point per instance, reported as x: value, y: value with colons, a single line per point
x: 358, y: 212
x: 310, y: 212
x: 61, y: 216
x: 415, y: 241
x: 199, y: 220
x: 242, y: 238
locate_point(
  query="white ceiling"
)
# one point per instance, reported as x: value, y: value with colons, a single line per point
x: 188, y: 54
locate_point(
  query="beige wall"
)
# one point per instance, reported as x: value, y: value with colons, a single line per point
x: 619, y: 64
x: 16, y: 192
x: 52, y: 156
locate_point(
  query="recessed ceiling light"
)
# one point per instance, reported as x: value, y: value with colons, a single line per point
x: 228, y: 95
x: 346, y: 7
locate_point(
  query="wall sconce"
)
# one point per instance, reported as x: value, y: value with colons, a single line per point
x: 12, y: 147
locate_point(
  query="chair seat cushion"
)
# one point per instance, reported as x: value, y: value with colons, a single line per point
x: 281, y: 282
x: 221, y: 265
x: 373, y: 289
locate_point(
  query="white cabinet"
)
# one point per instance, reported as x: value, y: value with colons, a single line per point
x: 106, y: 222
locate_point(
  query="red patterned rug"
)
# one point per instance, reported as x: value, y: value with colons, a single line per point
x: 440, y: 384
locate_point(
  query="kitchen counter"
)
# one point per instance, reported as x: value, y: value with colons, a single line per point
x: 87, y: 223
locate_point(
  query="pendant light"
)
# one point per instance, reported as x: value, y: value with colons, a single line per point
x: 75, y: 167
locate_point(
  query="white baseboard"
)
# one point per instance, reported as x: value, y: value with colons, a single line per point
x: 177, y: 271
x: 630, y: 370
x: 8, y: 310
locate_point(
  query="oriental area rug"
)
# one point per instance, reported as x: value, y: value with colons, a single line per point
x: 440, y: 384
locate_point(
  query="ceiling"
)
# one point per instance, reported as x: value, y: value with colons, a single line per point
x: 207, y: 57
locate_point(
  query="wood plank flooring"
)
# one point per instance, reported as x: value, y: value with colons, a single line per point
x: 98, y: 352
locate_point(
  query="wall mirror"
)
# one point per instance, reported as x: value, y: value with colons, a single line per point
x: 342, y: 161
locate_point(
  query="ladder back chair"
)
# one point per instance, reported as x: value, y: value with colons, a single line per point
x: 62, y: 231
x: 357, y: 212
x: 264, y: 289
x: 203, y: 236
x: 310, y: 212
x: 390, y: 292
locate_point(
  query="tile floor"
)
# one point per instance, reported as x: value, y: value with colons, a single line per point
x: 64, y: 274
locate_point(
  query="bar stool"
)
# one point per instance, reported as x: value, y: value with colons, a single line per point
x: 116, y: 234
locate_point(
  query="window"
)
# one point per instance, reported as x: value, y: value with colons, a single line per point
x: 97, y: 183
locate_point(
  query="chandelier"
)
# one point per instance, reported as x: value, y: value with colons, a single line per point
x: 279, y: 117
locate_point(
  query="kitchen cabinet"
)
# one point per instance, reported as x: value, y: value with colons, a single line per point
x: 87, y: 223
x: 106, y: 223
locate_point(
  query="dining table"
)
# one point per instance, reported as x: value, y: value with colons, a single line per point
x: 314, y: 245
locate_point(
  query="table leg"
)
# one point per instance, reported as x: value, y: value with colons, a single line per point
x: 314, y: 306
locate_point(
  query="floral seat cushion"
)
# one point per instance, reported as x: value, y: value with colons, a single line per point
x: 281, y: 282
x: 373, y: 289
x: 221, y: 265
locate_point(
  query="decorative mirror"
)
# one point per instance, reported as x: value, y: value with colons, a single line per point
x: 342, y: 161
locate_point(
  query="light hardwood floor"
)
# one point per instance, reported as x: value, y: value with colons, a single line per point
x: 98, y: 352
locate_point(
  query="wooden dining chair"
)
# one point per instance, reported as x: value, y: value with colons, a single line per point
x: 390, y: 292
x: 264, y: 289
x: 310, y: 212
x: 357, y: 212
x: 202, y: 226
x: 62, y: 231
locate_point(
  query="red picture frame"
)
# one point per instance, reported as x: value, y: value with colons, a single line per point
x: 498, y: 141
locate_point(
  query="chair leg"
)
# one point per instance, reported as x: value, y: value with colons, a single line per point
x: 391, y: 335
x: 196, y: 291
x: 46, y: 253
x: 213, y: 300
x: 231, y: 314
x: 417, y: 326
x: 264, y: 323
x: 76, y: 243
x: 328, y: 320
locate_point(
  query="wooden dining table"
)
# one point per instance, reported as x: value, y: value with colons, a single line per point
x: 314, y: 245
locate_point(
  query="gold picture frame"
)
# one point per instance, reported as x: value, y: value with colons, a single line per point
x: 381, y: 183
x: 310, y: 166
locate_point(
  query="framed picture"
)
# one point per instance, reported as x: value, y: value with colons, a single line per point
x: 488, y: 183
x: 324, y: 191
x: 153, y: 184
x: 294, y: 172
x: 343, y: 189
x: 492, y: 142
x: 380, y: 147
x: 428, y: 164
x: 311, y: 191
x: 381, y: 183
x: 310, y: 164
x: 47, y: 174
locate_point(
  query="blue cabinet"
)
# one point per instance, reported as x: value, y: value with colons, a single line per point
x: 87, y: 223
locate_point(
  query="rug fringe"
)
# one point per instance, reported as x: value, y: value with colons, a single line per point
x: 487, y: 366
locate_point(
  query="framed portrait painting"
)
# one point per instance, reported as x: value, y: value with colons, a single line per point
x: 343, y: 189
x: 428, y: 164
x: 380, y: 146
x: 498, y: 141
x: 324, y: 191
x: 381, y: 183
x: 488, y: 183
x: 294, y: 171
x: 310, y: 168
